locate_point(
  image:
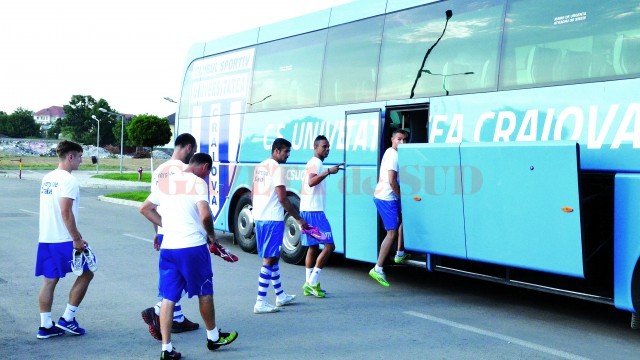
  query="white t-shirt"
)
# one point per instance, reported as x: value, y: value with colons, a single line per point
x: 163, y: 171
x: 313, y: 198
x: 383, y: 188
x: 55, y: 185
x: 266, y: 176
x: 180, y: 217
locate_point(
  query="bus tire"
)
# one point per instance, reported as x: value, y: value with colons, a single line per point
x: 292, y: 252
x: 243, y: 225
x: 635, y: 321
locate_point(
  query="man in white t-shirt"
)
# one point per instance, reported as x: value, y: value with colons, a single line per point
x: 387, y: 200
x: 185, y: 261
x: 312, y: 206
x: 269, y: 197
x: 60, y: 243
x: 184, y: 147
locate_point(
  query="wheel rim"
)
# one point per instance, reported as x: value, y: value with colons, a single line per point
x: 291, y: 240
x: 245, y: 222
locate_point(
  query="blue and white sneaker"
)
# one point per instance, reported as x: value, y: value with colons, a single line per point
x: 45, y: 333
x: 76, y: 262
x: 90, y: 259
x: 70, y: 326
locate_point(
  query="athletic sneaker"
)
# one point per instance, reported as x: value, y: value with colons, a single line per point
x: 263, y: 307
x: 218, y: 250
x: 76, y: 262
x: 170, y: 355
x: 287, y: 299
x: 306, y: 292
x: 316, y: 291
x: 90, y: 259
x: 315, y: 233
x: 379, y: 277
x: 150, y: 318
x: 44, y: 333
x: 223, y: 339
x: 70, y: 326
x: 401, y: 259
x: 185, y: 325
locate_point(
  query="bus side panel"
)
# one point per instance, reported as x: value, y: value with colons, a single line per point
x: 626, y: 247
x: 430, y: 186
x: 526, y: 212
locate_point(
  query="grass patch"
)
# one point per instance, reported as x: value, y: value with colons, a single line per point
x: 146, y: 177
x: 131, y: 195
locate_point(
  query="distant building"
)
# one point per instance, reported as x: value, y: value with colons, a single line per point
x: 49, y: 115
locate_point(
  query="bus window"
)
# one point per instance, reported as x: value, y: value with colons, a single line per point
x: 351, y: 62
x: 464, y: 61
x: 287, y: 72
x: 415, y: 121
x: 574, y: 41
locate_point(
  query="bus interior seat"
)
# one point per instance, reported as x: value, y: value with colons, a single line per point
x: 542, y: 64
x: 576, y: 65
x: 626, y: 55
x: 456, y: 79
x: 487, y: 75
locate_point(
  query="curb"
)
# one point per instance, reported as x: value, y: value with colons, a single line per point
x: 119, y: 201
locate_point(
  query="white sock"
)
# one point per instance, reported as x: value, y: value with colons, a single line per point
x: 313, y: 280
x: 70, y: 312
x: 45, y: 320
x: 157, y: 307
x: 213, y: 334
x: 167, y: 347
x: 309, y: 271
x: 400, y: 253
x: 378, y: 269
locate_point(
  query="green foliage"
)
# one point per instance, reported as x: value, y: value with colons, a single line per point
x: 78, y: 124
x: 132, y: 195
x: 20, y: 124
x: 148, y: 130
x: 129, y: 176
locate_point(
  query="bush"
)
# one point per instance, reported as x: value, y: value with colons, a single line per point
x: 112, y: 149
x: 142, y: 154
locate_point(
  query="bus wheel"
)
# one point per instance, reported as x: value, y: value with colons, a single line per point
x: 243, y: 225
x: 635, y: 321
x: 293, y: 252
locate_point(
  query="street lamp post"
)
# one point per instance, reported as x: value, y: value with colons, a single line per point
x: 121, y: 134
x: 97, y: 144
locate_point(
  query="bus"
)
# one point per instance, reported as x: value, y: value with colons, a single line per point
x: 523, y: 165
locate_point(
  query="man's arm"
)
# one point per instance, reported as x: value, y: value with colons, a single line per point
x: 150, y: 211
x: 207, y: 221
x: 393, y: 181
x: 281, y: 191
x: 66, y: 210
x: 315, y: 179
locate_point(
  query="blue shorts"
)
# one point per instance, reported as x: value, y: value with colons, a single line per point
x: 389, y: 212
x: 54, y: 260
x: 269, y: 236
x: 185, y: 269
x: 319, y: 220
x: 160, y: 237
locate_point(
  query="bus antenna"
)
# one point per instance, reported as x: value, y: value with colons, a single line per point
x: 449, y: 14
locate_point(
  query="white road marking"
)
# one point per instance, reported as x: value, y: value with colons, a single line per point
x: 138, y: 237
x: 30, y: 212
x: 510, y: 339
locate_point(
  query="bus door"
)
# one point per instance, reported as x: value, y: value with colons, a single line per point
x: 361, y: 143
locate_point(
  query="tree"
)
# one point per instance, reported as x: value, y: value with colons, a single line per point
x: 148, y: 130
x: 78, y: 124
x: 20, y: 124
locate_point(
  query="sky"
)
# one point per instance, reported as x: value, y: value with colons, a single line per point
x: 129, y: 52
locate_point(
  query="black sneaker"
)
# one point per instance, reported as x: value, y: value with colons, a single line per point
x: 223, y: 339
x: 153, y: 321
x: 166, y: 355
x: 185, y: 325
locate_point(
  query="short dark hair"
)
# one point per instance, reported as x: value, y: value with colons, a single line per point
x: 66, y: 146
x: 201, y: 158
x: 318, y: 139
x: 185, y: 139
x: 280, y: 144
x: 401, y: 131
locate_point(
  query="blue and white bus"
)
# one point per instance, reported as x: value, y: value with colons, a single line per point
x: 523, y: 165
